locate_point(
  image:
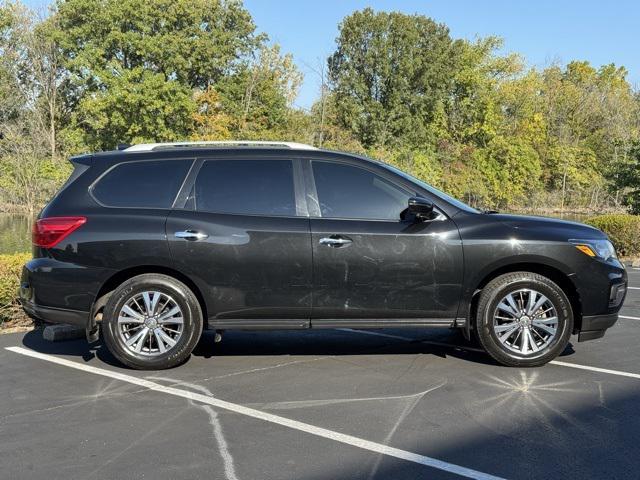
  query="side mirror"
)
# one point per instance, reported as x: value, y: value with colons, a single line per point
x: 421, y: 208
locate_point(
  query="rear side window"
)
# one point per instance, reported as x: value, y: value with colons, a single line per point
x: 246, y: 187
x: 146, y: 184
x: 345, y: 191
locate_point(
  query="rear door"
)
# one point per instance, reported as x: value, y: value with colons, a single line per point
x: 369, y: 263
x: 243, y: 235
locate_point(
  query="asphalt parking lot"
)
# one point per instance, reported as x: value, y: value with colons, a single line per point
x: 334, y: 404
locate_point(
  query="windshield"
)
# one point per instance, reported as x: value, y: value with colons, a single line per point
x: 447, y: 198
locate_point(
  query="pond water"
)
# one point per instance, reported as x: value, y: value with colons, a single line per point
x: 15, y: 231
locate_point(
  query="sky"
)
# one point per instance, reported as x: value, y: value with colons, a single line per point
x: 542, y: 31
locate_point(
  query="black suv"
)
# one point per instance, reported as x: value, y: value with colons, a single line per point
x: 160, y: 241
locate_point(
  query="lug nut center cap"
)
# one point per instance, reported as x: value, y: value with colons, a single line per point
x: 525, y: 321
x: 151, y: 322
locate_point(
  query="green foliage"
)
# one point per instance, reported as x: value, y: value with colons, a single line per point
x: 259, y: 96
x: 194, y: 42
x: 628, y: 177
x: 456, y: 113
x: 511, y: 171
x: 134, y: 64
x: 389, y: 72
x: 623, y: 230
x: 137, y: 105
x: 10, y: 271
x: 496, y: 135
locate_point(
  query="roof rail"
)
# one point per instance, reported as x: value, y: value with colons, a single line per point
x: 148, y: 147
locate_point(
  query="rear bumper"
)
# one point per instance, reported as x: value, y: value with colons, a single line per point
x: 60, y: 292
x: 594, y: 326
x: 34, y: 283
x: 55, y: 315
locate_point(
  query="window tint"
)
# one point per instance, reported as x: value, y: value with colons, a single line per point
x: 148, y: 184
x: 246, y: 187
x: 345, y: 191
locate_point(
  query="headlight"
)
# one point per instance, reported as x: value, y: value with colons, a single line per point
x: 596, y: 248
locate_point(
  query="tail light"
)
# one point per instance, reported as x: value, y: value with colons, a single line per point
x: 48, y: 232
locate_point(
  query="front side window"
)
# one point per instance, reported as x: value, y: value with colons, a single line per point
x: 144, y: 184
x: 246, y: 187
x: 345, y: 191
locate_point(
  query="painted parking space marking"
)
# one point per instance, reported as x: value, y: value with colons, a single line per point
x: 472, y: 349
x: 628, y: 317
x: 267, y: 417
x: 595, y: 369
x: 633, y: 288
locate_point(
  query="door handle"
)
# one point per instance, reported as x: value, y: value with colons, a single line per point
x: 191, y: 235
x: 335, y: 241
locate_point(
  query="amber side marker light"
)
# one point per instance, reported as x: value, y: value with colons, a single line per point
x: 586, y: 250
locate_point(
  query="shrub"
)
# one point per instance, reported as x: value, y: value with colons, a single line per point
x: 623, y: 230
x: 10, y: 270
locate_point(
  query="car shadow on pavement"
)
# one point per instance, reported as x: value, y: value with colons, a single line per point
x: 76, y: 348
x: 438, y: 343
x: 442, y: 344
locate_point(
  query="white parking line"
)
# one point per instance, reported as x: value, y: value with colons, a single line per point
x: 267, y: 417
x: 628, y: 317
x: 553, y: 362
x: 633, y: 288
x: 596, y: 369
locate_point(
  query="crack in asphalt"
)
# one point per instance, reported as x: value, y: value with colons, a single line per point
x: 214, y: 421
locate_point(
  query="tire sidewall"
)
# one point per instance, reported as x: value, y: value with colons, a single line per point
x: 559, y: 300
x: 191, y: 312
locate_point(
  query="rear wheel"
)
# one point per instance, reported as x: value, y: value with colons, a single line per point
x: 152, y: 321
x: 524, y: 319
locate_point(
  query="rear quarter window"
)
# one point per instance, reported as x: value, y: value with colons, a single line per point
x: 141, y: 184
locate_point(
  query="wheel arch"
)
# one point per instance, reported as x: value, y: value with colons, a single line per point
x: 122, y: 276
x: 556, y: 275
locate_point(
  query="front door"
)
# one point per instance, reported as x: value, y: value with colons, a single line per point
x: 244, y: 239
x: 369, y: 263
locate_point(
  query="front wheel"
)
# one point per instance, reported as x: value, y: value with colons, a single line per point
x: 524, y: 319
x: 152, y: 322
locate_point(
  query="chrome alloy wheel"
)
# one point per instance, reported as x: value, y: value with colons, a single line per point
x: 150, y: 323
x: 525, y: 321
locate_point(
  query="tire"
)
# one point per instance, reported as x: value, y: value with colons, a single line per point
x: 503, y: 335
x: 169, y: 311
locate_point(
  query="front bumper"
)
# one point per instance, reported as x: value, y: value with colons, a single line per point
x: 602, y: 291
x: 594, y: 326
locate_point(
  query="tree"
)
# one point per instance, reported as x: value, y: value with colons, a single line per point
x: 389, y: 73
x: 12, y: 98
x: 211, y: 122
x: 122, y: 55
x: 28, y: 176
x: 629, y: 179
x: 29, y: 82
x: 138, y: 106
x: 260, y: 95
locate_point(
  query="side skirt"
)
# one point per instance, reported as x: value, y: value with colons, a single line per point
x: 382, y: 322
x: 303, y: 323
